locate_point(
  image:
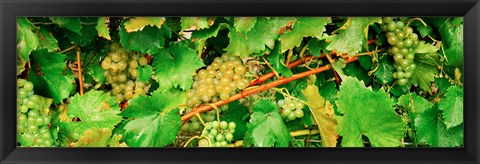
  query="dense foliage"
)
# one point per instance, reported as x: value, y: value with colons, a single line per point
x: 240, y: 81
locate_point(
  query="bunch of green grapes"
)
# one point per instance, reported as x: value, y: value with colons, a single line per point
x: 121, y: 71
x: 220, y: 134
x: 194, y: 124
x: 403, y: 42
x: 291, y: 109
x: 220, y: 80
x: 32, y: 124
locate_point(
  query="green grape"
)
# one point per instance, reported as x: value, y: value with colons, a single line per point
x: 143, y: 61
x: 400, y: 24
x: 392, y: 40
x: 195, y: 125
x: 391, y: 26
x: 299, y: 105
x: 22, y: 93
x: 229, y: 136
x: 298, y: 113
x: 291, y: 104
x: 402, y: 82
x: 203, y: 143
x: 224, y: 96
x: 116, y: 57
x: 21, y: 118
x: 213, y: 131
x: 398, y: 57
x: 232, y: 125
x: 215, y: 124
x: 408, y: 43
x: 399, y: 45
x: 387, y: 20
x: 292, y: 116
x: 219, y: 137
x: 410, y: 57
x: 404, y: 51
x: 407, y: 74
x: 20, y: 82
x: 122, y: 65
x: 286, y: 111
x: 28, y: 86
x: 223, y: 125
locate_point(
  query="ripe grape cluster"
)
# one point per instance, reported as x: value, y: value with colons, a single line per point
x: 292, y: 109
x: 224, y: 77
x: 121, y: 71
x: 220, y: 134
x: 403, y: 42
x: 32, y: 124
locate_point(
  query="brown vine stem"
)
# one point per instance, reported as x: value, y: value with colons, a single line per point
x: 68, y: 49
x: 80, y: 75
x: 263, y: 87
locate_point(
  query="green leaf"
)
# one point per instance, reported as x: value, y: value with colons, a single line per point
x: 47, y: 40
x: 384, y: 72
x: 263, y: 34
x: 367, y: 113
x: 197, y: 23
x: 244, y: 24
x: 71, y: 23
x: 154, y: 120
x: 266, y: 127
x: 102, y: 28
x: 433, y: 131
x: 145, y: 73
x: 138, y: 23
x: 414, y: 104
x: 366, y: 62
x: 27, y: 41
x: 95, y: 109
x: 94, y: 137
x: 442, y: 84
x: 316, y: 46
x: 424, y: 75
x: 208, y: 33
x: 48, y: 76
x: 352, y: 36
x: 452, y: 37
x: 150, y: 40
x: 424, y: 30
x: 324, y: 115
x: 303, y: 27
x: 355, y: 70
x: 452, y: 106
x: 277, y: 60
x: 237, y: 113
x: 87, y: 35
x: 426, y: 47
x: 176, y: 65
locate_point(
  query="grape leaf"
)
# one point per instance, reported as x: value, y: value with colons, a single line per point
x: 102, y: 28
x: 366, y: 62
x: 324, y: 116
x: 452, y: 37
x: 355, y: 70
x: 414, y: 104
x: 352, y: 36
x: 426, y: 47
x: 432, y: 130
x: 266, y: 127
x: 452, y: 106
x: 176, y: 66
x: 237, y: 113
x: 423, y: 75
x: 71, y: 23
x: 316, y: 46
x: 144, y: 73
x: 138, y: 23
x: 154, y: 120
x: 244, y: 24
x: 48, y: 76
x: 277, y: 60
x: 197, y: 23
x: 442, y: 84
x: 95, y: 137
x: 303, y: 27
x: 27, y: 41
x: 208, y: 33
x: 263, y: 33
x: 150, y: 40
x: 424, y: 30
x: 94, y: 109
x: 47, y: 40
x: 367, y: 113
x: 87, y: 35
x: 20, y: 65
x: 384, y: 72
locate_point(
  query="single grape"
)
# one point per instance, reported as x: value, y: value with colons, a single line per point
x: 143, y: 61
x: 229, y: 136
x: 392, y: 40
x: 223, y: 125
x: 28, y: 86
x: 298, y: 113
x: 231, y: 125
x: 219, y: 137
x: 203, y: 143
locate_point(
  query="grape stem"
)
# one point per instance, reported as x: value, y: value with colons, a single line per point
x: 80, y: 76
x: 263, y: 87
x: 68, y: 49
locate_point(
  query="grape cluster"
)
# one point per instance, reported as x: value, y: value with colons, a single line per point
x: 121, y: 71
x: 403, y: 42
x: 32, y: 124
x: 220, y: 134
x: 291, y: 109
x: 219, y: 80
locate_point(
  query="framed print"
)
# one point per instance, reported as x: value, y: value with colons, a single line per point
x: 233, y: 82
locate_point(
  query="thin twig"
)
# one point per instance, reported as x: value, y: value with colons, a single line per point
x: 80, y: 76
x: 68, y: 49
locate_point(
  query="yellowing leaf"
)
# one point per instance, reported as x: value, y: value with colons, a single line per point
x: 323, y: 114
x: 102, y: 28
x: 96, y: 137
x: 138, y: 23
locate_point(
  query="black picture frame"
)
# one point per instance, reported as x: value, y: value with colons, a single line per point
x: 9, y: 10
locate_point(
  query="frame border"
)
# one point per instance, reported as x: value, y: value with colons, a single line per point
x: 10, y: 9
